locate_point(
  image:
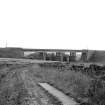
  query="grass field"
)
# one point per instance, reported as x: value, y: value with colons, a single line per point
x: 72, y: 83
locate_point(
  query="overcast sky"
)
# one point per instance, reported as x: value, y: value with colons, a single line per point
x: 71, y: 24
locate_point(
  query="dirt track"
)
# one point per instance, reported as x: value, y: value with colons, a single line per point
x: 38, y: 97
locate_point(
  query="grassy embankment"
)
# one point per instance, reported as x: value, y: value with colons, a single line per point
x: 12, y: 90
x: 11, y: 53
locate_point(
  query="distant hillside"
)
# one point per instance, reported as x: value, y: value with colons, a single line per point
x: 11, y: 53
x: 97, y: 56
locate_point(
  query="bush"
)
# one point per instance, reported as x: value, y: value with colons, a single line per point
x: 96, y: 92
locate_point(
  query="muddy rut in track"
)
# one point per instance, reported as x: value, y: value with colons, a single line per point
x: 18, y: 88
x: 38, y: 97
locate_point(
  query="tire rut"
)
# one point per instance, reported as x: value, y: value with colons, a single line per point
x: 38, y: 97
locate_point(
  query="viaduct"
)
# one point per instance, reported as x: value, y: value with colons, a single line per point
x: 84, y: 54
